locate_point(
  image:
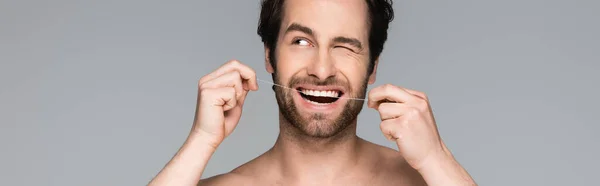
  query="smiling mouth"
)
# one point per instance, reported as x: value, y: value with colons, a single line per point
x: 321, y: 97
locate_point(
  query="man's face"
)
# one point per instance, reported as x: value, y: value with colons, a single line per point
x: 322, y: 51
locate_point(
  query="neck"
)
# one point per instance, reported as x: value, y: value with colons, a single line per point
x: 302, y: 157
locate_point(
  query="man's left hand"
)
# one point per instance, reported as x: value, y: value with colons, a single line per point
x: 406, y: 118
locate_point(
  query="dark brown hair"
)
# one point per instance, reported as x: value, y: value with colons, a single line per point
x: 381, y: 13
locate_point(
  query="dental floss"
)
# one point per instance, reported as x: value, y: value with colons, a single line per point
x: 271, y: 83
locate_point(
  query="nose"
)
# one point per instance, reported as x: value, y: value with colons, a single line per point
x: 322, y: 67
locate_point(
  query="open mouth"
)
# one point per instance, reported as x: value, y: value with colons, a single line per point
x: 320, y: 96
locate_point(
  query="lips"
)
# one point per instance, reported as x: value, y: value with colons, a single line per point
x: 320, y: 95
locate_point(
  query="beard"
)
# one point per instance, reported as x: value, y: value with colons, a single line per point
x: 318, y: 125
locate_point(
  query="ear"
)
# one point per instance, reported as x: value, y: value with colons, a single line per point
x: 268, y: 65
x: 372, y: 76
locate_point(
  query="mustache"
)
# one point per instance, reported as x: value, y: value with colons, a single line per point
x: 331, y: 81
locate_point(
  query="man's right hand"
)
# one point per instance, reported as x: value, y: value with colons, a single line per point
x: 221, y: 95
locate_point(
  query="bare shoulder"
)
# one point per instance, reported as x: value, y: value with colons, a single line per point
x: 245, y: 174
x: 393, y: 168
x: 230, y: 178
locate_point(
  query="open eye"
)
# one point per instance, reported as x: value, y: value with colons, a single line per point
x: 301, y: 42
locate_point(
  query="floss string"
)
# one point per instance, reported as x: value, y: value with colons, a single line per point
x: 271, y: 83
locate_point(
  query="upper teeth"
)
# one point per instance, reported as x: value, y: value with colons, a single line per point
x: 329, y: 93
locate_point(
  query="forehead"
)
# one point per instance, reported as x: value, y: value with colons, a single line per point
x: 328, y: 18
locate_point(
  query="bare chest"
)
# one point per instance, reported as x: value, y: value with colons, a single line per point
x: 378, y: 180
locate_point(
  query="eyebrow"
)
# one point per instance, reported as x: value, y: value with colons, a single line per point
x: 299, y: 28
x: 306, y: 30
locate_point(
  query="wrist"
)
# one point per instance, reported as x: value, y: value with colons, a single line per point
x: 443, y: 169
x: 435, y: 160
x: 204, y: 139
x: 188, y: 164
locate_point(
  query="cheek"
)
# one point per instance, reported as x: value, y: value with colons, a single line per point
x: 356, y: 77
x: 353, y: 68
x: 290, y: 60
x: 301, y: 55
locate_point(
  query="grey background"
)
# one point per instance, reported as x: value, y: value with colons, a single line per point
x: 103, y: 92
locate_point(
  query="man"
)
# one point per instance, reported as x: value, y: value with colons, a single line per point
x: 327, y: 52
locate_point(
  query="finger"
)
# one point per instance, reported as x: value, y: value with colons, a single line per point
x: 388, y: 93
x: 423, y: 101
x: 229, y: 79
x: 417, y: 93
x: 392, y: 110
x: 246, y: 73
x: 242, y: 99
x: 390, y: 129
x: 223, y: 97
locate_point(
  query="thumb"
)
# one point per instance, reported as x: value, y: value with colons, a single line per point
x: 242, y: 98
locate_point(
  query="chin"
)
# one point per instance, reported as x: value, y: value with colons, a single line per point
x: 321, y: 128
